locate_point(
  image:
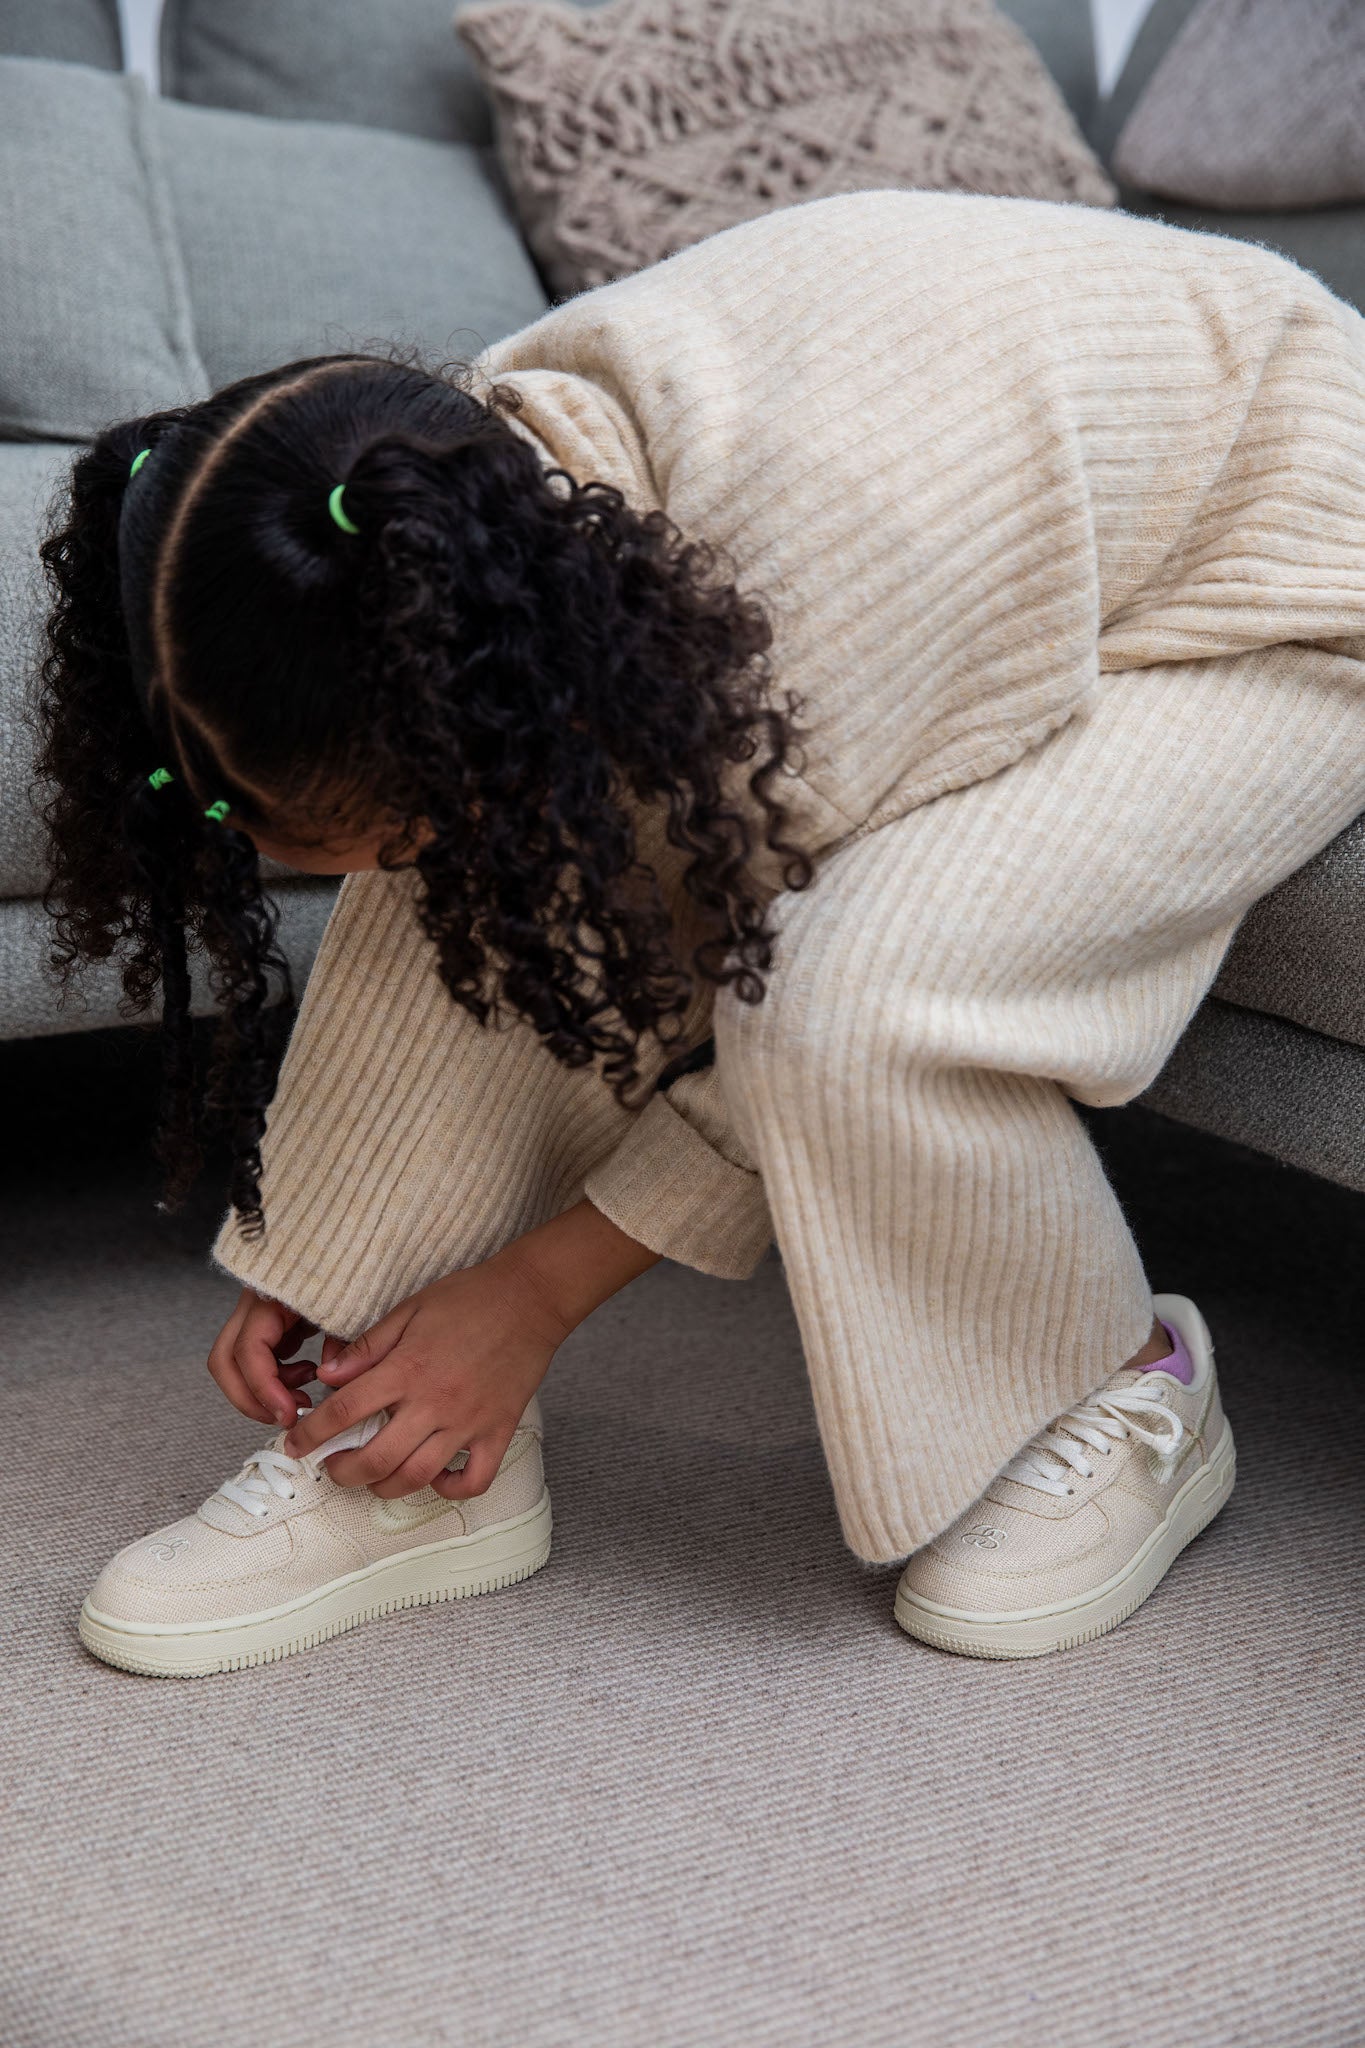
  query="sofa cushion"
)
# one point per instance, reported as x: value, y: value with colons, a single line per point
x: 378, y: 63
x: 148, y: 258
x: 31, y: 478
x: 381, y: 237
x: 642, y: 127
x: 1300, y: 952
x: 67, y: 31
x: 1274, y: 1086
x: 94, y: 316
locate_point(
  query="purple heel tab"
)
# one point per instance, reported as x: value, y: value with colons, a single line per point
x: 1180, y: 1366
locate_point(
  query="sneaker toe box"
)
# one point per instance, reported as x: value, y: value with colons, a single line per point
x: 190, y: 1571
x: 1000, y: 1560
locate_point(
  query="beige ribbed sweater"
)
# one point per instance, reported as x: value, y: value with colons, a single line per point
x: 977, y: 452
x: 991, y: 461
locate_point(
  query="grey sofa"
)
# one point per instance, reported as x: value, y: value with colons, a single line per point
x: 318, y: 173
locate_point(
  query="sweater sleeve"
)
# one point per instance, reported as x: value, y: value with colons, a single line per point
x: 682, y: 1182
x: 1235, y: 518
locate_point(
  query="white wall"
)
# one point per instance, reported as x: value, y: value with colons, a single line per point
x: 1116, y: 24
x: 139, y: 19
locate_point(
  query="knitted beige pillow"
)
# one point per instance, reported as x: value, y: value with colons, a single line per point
x: 635, y: 129
x: 1257, y: 103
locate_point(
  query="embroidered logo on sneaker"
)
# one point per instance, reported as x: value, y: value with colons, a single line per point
x: 984, y: 1538
x: 412, y: 1509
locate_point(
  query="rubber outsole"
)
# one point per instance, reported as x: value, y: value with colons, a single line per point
x: 1038, y: 1631
x: 455, y: 1570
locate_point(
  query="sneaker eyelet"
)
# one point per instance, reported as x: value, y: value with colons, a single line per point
x: 291, y: 1495
x: 1071, y: 1489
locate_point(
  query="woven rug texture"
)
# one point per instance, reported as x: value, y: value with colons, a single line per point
x: 690, y: 1785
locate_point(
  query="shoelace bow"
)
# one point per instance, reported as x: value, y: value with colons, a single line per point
x: 270, y: 1473
x: 1055, y: 1453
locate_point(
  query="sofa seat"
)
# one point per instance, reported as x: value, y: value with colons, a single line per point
x: 1299, y: 953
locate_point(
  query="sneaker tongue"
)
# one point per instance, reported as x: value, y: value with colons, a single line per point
x: 1129, y: 1377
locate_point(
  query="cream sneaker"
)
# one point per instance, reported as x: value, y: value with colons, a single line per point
x: 281, y: 1557
x: 1084, y: 1522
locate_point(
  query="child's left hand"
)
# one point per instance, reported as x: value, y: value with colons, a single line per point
x: 455, y: 1365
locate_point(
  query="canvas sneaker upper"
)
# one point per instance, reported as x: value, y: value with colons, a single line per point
x: 281, y: 1527
x: 1070, y: 1511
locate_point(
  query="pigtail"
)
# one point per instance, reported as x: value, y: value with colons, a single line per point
x: 239, y: 927
x: 134, y: 868
x: 94, y: 747
x: 162, y: 836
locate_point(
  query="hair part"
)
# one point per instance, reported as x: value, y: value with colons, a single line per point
x: 496, y: 670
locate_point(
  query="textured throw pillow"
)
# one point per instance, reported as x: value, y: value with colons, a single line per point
x: 636, y: 129
x: 1257, y: 103
x: 94, y: 316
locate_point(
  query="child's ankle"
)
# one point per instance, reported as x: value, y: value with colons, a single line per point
x: 1157, y: 1347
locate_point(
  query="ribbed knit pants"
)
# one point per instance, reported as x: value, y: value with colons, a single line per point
x: 959, y: 1266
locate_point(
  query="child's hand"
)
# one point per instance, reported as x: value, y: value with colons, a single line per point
x: 246, y: 1359
x: 454, y: 1365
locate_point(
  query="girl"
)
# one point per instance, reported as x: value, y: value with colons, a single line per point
x: 789, y: 721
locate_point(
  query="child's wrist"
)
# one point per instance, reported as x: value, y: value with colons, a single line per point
x: 575, y: 1262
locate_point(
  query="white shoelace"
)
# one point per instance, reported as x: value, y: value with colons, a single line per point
x: 1059, y: 1451
x: 269, y: 1473
x: 264, y: 1474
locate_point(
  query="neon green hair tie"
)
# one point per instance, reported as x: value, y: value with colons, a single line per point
x: 159, y: 777
x: 334, y: 507
x: 218, y: 811
x: 138, y: 461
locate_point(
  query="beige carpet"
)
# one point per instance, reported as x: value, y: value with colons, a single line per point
x: 690, y: 1785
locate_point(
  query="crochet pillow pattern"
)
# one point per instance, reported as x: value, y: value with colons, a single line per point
x: 1256, y: 104
x: 632, y: 130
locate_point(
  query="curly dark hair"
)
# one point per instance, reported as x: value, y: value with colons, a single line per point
x: 487, y: 672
